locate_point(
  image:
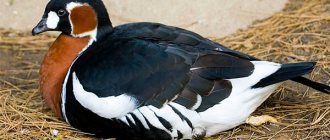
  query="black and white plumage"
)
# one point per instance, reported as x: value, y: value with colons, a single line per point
x: 167, y: 87
x: 152, y: 81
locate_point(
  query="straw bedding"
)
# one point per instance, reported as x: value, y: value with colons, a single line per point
x: 301, y: 32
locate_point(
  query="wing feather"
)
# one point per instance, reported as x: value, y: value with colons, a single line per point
x: 156, y: 65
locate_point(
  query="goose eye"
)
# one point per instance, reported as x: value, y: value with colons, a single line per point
x: 61, y: 12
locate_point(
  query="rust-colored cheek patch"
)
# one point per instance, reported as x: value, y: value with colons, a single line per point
x: 83, y: 19
x: 55, y: 67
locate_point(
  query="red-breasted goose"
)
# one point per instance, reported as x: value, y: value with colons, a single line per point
x: 148, y: 80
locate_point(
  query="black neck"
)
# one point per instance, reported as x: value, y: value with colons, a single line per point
x: 104, y: 22
x: 103, y: 31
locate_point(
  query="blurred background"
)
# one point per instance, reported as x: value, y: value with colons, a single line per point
x: 211, y: 18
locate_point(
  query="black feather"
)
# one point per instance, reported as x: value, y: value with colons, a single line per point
x: 152, y: 63
x: 186, y: 98
x: 222, y: 66
x: 315, y: 85
x: 200, y: 85
x: 221, y: 90
x: 286, y: 72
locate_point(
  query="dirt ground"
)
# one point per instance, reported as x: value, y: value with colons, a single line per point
x: 301, y: 32
x: 211, y: 18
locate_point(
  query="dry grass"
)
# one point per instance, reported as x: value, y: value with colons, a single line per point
x: 300, y: 33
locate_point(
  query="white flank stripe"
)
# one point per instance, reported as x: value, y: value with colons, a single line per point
x: 177, y: 123
x: 52, y: 20
x: 124, y: 120
x: 107, y: 107
x: 138, y: 114
x: 193, y: 117
x: 153, y: 120
x: 198, y: 103
x: 129, y: 116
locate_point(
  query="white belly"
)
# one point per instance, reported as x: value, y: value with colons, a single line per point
x: 234, y: 110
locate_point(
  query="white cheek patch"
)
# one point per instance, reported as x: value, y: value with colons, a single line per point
x: 52, y: 20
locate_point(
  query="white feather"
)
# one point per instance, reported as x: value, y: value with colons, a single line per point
x: 198, y: 103
x: 234, y: 110
x: 129, y: 116
x: 106, y: 107
x: 72, y: 5
x: 174, y: 119
x: 138, y: 114
x: 193, y: 117
x: 150, y: 116
x: 123, y: 119
x: 262, y: 69
x: 229, y: 113
x: 243, y: 100
x: 52, y: 20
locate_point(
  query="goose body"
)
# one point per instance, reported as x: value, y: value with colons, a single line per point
x: 148, y: 80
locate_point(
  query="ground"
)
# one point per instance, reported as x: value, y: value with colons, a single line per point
x: 300, y: 33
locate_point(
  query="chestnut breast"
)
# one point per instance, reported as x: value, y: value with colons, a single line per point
x: 55, y: 66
